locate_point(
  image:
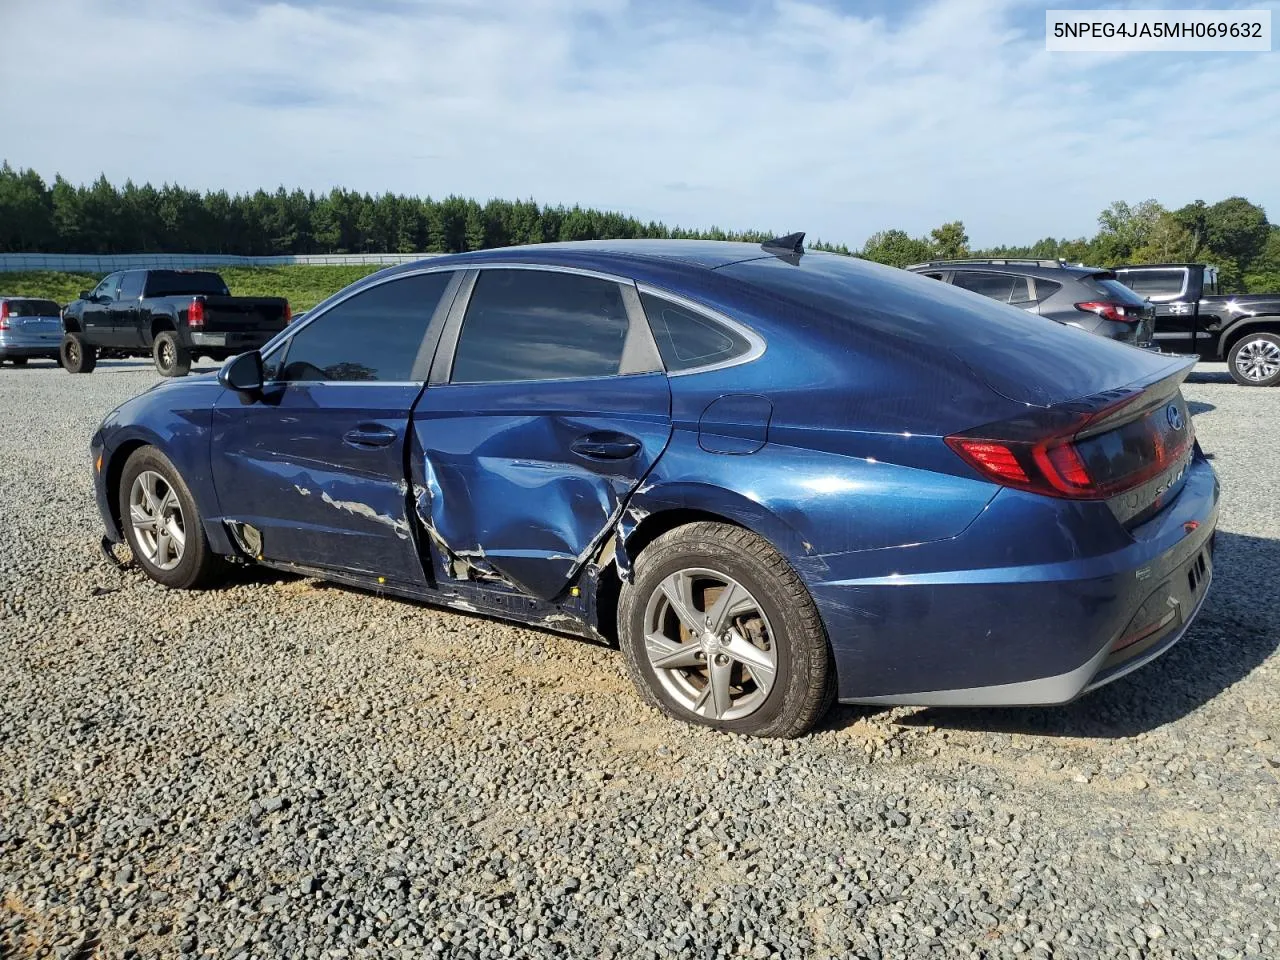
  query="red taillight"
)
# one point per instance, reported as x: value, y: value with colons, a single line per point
x: 1082, y: 453
x: 195, y: 313
x: 4, y: 315
x: 288, y: 313
x: 1111, y: 311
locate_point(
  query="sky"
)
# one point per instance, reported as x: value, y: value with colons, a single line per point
x: 836, y: 118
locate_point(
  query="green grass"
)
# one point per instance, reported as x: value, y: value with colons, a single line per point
x: 303, y: 286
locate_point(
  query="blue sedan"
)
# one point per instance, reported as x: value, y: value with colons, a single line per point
x: 774, y: 477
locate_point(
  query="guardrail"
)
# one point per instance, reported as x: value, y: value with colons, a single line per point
x: 106, y: 263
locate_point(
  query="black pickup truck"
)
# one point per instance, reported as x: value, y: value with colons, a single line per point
x: 172, y: 316
x: 1194, y: 317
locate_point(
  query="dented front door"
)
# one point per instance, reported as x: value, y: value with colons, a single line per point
x: 317, y: 470
x: 525, y: 481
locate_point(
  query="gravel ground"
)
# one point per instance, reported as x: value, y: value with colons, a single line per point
x: 283, y: 768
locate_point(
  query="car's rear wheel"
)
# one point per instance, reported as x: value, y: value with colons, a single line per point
x: 76, y: 356
x: 718, y: 630
x: 171, y: 358
x: 1254, y: 360
x: 162, y: 524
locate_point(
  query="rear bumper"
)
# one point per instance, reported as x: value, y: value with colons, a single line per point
x: 973, y: 629
x: 29, y: 345
x: 235, y: 342
x: 45, y: 350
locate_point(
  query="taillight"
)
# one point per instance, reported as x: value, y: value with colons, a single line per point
x: 288, y: 313
x: 1071, y: 453
x: 1112, y: 311
x: 4, y: 315
x: 195, y: 313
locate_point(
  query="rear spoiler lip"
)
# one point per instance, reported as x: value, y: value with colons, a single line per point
x: 1131, y: 401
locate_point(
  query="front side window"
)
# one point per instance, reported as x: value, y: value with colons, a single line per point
x: 997, y: 286
x: 540, y: 325
x: 131, y: 285
x: 372, y: 336
x: 106, y: 290
x: 687, y: 339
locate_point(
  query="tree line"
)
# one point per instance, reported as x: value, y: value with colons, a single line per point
x: 62, y: 217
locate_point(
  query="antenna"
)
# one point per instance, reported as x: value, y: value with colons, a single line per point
x: 791, y: 243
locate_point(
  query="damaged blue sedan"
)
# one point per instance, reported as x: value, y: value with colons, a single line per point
x: 775, y: 477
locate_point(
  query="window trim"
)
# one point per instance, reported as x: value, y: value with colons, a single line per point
x: 426, y: 349
x: 1171, y: 298
x: 755, y: 352
x: 640, y: 354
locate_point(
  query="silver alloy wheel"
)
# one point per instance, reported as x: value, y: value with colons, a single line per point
x: 156, y: 515
x: 710, y: 644
x: 1258, y: 360
x: 166, y: 354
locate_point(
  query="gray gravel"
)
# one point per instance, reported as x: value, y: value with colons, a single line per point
x: 283, y: 768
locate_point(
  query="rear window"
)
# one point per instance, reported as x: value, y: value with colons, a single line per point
x: 1154, y: 283
x: 1113, y: 290
x: 173, y: 283
x: 34, y: 308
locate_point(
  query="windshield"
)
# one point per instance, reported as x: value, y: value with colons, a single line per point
x: 1113, y: 290
x: 172, y: 283
x: 34, y: 308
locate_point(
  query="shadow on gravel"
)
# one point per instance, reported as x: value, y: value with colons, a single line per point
x: 1200, y: 375
x: 1233, y: 635
x: 1198, y: 406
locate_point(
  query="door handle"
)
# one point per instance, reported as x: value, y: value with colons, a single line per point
x: 370, y: 435
x: 606, y: 446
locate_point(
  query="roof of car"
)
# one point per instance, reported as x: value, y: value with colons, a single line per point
x: 708, y: 254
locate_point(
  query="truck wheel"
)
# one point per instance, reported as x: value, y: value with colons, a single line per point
x: 718, y: 630
x: 77, y: 356
x: 1254, y: 360
x: 172, y: 360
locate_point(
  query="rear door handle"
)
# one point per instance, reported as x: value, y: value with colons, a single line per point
x: 606, y: 446
x: 370, y: 435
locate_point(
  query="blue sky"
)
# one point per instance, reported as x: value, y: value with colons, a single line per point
x: 837, y: 118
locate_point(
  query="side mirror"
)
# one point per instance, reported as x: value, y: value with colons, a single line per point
x: 243, y: 374
x: 86, y: 294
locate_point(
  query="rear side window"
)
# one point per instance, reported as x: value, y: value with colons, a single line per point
x: 131, y: 285
x: 373, y: 336
x: 997, y: 286
x: 34, y: 308
x: 687, y: 339
x: 1155, y: 283
x: 1021, y: 291
x: 174, y: 283
x: 1046, y: 289
x: 540, y: 325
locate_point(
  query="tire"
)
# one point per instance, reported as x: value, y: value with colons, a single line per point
x: 171, y: 358
x: 76, y: 356
x: 1254, y: 360
x: 19, y: 361
x: 777, y: 621
x: 151, y: 488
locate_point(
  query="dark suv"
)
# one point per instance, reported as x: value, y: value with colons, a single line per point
x: 1090, y: 298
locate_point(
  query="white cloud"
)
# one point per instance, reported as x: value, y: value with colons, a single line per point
x: 784, y: 115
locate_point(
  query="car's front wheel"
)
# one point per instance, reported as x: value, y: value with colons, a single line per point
x: 162, y: 524
x: 76, y: 356
x: 718, y: 630
x: 1254, y: 360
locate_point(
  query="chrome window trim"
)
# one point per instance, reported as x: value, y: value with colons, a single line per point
x: 1171, y: 298
x: 315, y: 313
x: 755, y: 352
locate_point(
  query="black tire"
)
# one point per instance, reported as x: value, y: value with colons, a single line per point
x: 198, y: 566
x: 76, y: 356
x: 1250, y: 357
x: 803, y: 685
x: 171, y: 358
x: 19, y: 361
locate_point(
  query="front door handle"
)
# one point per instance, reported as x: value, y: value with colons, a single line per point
x: 370, y: 435
x: 606, y: 446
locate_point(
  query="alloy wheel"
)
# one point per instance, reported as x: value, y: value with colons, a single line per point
x: 158, y: 524
x: 1258, y: 360
x: 710, y: 644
